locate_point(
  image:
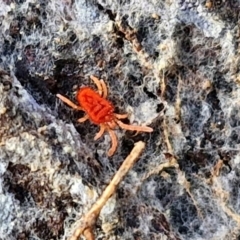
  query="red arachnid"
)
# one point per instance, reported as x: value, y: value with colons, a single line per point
x: 101, y: 112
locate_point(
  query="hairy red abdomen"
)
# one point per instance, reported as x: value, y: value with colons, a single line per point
x: 97, y: 108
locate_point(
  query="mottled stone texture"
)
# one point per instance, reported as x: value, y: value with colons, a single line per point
x: 171, y: 64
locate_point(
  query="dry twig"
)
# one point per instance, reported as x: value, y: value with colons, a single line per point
x: 87, y: 223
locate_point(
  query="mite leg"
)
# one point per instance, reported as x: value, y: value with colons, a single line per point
x: 113, y: 137
x: 112, y: 124
x: 98, y: 84
x: 133, y: 127
x: 68, y: 102
x: 83, y: 119
x: 104, y: 88
x: 121, y: 116
x: 100, y: 133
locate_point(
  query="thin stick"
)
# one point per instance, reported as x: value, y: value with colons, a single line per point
x: 87, y: 223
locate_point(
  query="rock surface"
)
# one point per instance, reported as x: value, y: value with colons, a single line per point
x: 173, y: 65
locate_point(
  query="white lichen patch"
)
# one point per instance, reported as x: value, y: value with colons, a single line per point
x: 109, y: 207
x: 7, y: 207
x: 86, y: 194
x: 145, y: 113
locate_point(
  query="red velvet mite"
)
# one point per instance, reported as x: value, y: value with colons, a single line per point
x: 101, y: 112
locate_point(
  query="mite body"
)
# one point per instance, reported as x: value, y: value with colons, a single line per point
x: 99, y: 109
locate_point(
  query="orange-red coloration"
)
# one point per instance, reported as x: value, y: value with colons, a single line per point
x: 97, y: 108
x: 101, y: 112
